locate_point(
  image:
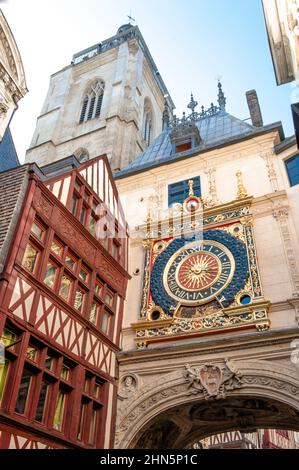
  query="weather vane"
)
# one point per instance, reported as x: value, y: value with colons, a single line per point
x: 130, y: 18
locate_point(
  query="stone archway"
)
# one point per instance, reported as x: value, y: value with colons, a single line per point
x: 179, y: 407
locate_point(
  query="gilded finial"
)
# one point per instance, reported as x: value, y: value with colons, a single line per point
x: 221, y: 97
x: 241, y: 193
x: 191, y: 190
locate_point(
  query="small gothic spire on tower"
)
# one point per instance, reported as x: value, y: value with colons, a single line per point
x: 165, y: 116
x: 192, y: 105
x: 221, y: 97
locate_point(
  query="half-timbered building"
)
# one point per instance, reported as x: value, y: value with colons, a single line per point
x: 63, y: 264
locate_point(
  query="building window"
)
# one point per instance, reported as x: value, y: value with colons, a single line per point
x: 38, y: 230
x: 65, y: 288
x: 90, y: 413
x: 178, y: 192
x: 11, y: 339
x: 292, y: 166
x: 51, y: 274
x: 183, y: 147
x: 30, y: 258
x: 40, y: 409
x: 92, y: 103
x: 4, y: 366
x: 59, y: 410
x: 24, y: 390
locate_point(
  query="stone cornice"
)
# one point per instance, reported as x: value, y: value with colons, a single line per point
x: 211, y: 345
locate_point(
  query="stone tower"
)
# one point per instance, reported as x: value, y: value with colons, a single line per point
x: 110, y: 99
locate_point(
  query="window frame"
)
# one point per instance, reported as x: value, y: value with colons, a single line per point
x: 184, y: 192
x: 287, y: 161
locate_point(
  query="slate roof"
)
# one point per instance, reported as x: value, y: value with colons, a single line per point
x: 8, y: 155
x: 216, y: 130
x: 13, y: 186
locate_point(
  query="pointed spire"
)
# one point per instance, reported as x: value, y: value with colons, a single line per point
x: 221, y: 97
x: 192, y: 105
x: 165, y: 116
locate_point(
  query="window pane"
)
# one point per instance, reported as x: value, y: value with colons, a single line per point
x: 98, y: 288
x: 65, y: 288
x: 30, y: 258
x: 108, y: 298
x: 31, y: 353
x: 97, y: 388
x: 87, y: 384
x: 99, y: 105
x: 92, y: 426
x: 86, y: 196
x: 293, y: 170
x: 75, y: 200
x: 83, y: 110
x: 79, y: 299
x: 39, y: 416
x: 178, y: 192
x: 94, y: 313
x: 77, y: 186
x: 83, y: 215
x: 50, y: 275
x: 83, y: 274
x: 57, y: 249
x: 105, y: 322
x: 37, y: 230
x: 65, y: 372
x: 70, y: 262
x: 83, y: 157
x: 3, y: 375
x: 92, y: 225
x: 59, y: 410
x: 91, y: 107
x: 49, y: 363
x: 8, y: 337
x: 80, y: 427
x: 23, y: 391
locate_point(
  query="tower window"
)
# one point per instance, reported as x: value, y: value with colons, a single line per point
x: 147, y: 122
x: 92, y: 103
x: 83, y: 111
x: 292, y: 166
x: 178, y: 192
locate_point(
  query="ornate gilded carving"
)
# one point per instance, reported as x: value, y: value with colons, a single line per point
x: 241, y: 192
x: 254, y: 314
x: 245, y: 308
x: 253, y: 267
x: 212, y: 199
x: 212, y: 380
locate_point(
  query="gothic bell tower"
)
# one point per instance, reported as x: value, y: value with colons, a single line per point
x: 110, y: 99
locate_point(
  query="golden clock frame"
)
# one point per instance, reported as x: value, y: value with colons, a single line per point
x: 236, y: 317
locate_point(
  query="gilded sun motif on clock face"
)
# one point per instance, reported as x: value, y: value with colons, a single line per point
x: 198, y: 271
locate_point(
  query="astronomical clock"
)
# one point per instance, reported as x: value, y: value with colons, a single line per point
x: 201, y: 274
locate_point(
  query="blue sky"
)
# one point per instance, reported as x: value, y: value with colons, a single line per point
x: 193, y: 42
